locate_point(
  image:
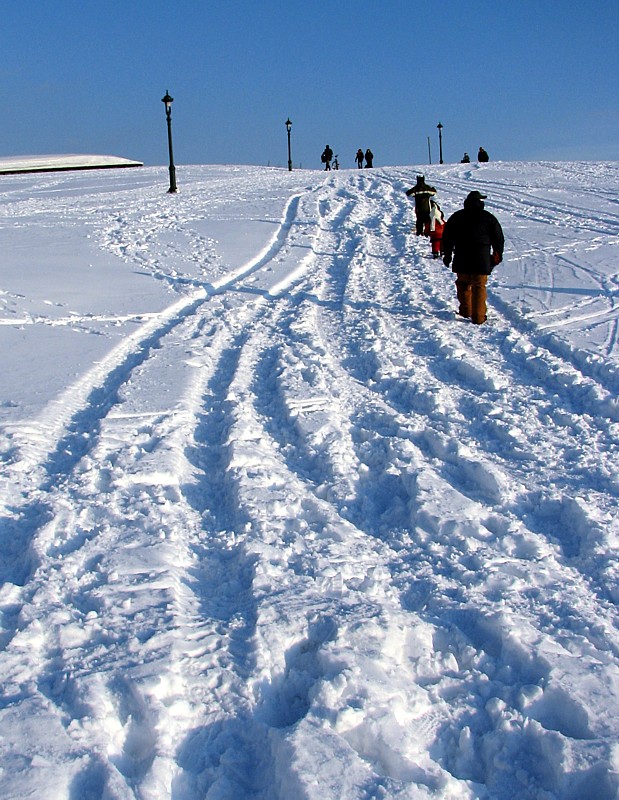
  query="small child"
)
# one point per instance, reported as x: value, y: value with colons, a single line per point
x: 436, y: 225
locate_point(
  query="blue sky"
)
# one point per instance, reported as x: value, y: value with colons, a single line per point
x: 526, y: 80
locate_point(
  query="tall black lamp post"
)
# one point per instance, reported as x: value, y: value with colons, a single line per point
x: 440, y: 142
x: 288, y: 127
x: 168, y: 112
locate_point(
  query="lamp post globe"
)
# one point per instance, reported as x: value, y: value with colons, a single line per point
x: 167, y: 101
x: 288, y: 128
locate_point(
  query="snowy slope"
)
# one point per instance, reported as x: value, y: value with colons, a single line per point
x: 276, y: 523
x: 23, y: 164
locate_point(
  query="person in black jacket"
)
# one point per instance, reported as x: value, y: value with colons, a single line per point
x: 474, y: 237
x: 421, y: 192
x: 327, y: 155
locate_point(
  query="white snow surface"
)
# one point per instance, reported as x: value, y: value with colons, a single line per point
x: 61, y: 162
x: 277, y: 524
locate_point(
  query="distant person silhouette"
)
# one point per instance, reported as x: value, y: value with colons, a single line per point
x: 327, y: 155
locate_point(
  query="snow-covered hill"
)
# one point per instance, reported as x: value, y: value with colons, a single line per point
x: 13, y: 165
x: 276, y: 523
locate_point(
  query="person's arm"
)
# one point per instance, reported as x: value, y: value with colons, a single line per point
x: 447, y: 243
x: 498, y: 242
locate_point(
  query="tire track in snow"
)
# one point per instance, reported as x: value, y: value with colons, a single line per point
x: 304, y: 548
x: 46, y: 450
x: 452, y: 362
x: 84, y: 412
x: 364, y: 578
x: 489, y: 511
x: 66, y: 429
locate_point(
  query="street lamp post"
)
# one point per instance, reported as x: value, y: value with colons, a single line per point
x: 440, y: 142
x: 168, y: 112
x: 288, y: 127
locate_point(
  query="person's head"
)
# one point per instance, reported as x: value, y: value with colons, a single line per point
x: 474, y: 199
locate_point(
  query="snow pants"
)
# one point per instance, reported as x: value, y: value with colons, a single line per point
x: 471, y: 290
x: 422, y: 218
x: 436, y: 240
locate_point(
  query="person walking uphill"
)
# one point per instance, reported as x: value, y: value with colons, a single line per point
x: 422, y: 194
x: 327, y: 155
x: 435, y: 228
x: 474, y: 237
x: 359, y: 158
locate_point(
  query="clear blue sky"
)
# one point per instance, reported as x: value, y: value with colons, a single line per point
x: 527, y: 80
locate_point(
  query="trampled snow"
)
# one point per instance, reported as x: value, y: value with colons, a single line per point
x: 276, y: 523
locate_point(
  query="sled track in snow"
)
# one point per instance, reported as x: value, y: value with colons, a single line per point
x: 74, y: 445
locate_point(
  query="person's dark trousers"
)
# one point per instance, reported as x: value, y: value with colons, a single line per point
x: 471, y: 291
x: 421, y: 220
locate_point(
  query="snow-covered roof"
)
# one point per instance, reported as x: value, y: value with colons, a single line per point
x: 16, y: 164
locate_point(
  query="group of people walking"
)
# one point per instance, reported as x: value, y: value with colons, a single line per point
x: 472, y: 238
x: 327, y: 158
x: 368, y: 156
x: 471, y: 241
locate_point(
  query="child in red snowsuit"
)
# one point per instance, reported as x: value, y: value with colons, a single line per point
x: 435, y: 228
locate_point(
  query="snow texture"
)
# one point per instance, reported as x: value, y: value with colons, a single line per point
x: 18, y: 164
x: 276, y: 523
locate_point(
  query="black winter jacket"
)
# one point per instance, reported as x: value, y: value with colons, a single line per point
x: 473, y: 232
x: 422, y: 194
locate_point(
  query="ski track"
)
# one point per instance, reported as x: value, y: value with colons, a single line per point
x: 340, y: 374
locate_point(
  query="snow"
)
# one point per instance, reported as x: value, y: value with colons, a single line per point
x: 276, y: 523
x: 53, y: 163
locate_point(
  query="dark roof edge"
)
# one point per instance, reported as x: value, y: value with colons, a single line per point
x: 25, y: 170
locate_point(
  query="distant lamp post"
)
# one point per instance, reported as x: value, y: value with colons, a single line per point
x: 288, y: 127
x: 440, y: 143
x: 168, y: 112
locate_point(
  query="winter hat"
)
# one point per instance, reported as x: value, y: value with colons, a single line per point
x: 476, y: 196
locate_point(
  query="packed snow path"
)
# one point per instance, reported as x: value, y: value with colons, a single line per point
x: 303, y: 532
